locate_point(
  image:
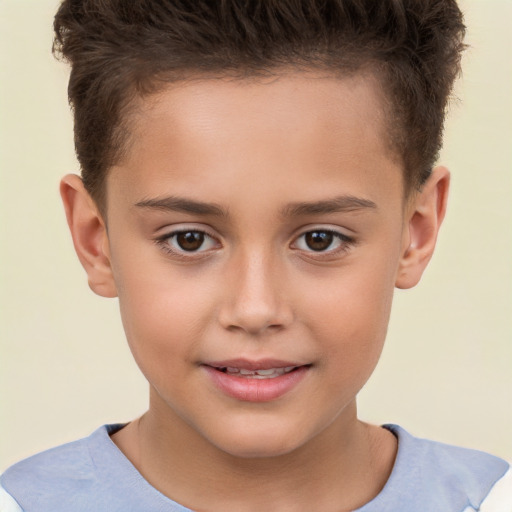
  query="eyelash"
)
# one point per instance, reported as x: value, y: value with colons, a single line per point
x: 164, y: 243
x: 345, y: 244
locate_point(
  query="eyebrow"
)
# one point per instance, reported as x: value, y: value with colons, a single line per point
x: 338, y: 204
x: 335, y: 205
x: 180, y: 204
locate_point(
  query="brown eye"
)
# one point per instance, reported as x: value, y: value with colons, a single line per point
x: 190, y: 240
x: 188, y: 243
x: 318, y: 240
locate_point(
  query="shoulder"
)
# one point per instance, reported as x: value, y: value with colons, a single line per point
x: 455, y: 478
x: 499, y: 498
x: 51, y: 464
x: 55, y: 476
x: 8, y: 503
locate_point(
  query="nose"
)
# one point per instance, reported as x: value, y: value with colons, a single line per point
x: 255, y: 300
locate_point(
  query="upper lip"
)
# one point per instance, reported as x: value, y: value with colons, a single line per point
x: 253, y: 364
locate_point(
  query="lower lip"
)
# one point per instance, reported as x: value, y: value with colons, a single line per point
x: 256, y: 390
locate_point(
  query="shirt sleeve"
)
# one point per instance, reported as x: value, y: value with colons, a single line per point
x: 7, y: 502
x: 499, y: 498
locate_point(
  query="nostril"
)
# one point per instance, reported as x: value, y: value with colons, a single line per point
x: 254, y: 304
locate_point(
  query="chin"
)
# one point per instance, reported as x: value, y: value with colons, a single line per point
x: 257, y: 449
x: 258, y: 443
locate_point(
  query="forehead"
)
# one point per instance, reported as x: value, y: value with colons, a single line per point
x: 303, y: 100
x: 294, y: 129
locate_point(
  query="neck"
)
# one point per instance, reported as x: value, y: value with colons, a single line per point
x: 341, y: 468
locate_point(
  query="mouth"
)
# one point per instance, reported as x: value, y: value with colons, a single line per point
x: 256, y: 369
x: 256, y: 381
x: 268, y: 373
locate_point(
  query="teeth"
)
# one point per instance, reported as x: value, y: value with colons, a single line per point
x: 268, y: 372
x: 258, y: 374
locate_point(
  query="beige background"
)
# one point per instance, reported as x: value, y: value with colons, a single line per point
x: 446, y: 372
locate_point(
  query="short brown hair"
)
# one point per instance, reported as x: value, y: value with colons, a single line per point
x: 121, y: 49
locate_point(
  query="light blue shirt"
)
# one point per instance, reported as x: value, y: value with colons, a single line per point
x: 92, y: 474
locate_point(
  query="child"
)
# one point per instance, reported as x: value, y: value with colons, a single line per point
x: 257, y: 177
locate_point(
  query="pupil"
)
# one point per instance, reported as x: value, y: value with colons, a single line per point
x: 319, y: 240
x: 190, y: 240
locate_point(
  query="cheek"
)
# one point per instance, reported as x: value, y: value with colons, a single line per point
x: 348, y: 316
x: 355, y: 298
x: 164, y: 315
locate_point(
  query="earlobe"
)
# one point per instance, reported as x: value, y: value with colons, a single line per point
x: 89, y: 235
x: 424, y: 218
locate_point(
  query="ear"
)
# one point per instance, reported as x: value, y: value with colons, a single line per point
x: 89, y: 235
x: 423, y: 219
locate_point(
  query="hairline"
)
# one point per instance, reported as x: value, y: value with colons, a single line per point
x: 159, y: 83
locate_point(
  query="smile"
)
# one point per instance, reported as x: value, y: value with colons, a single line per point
x: 252, y: 381
x: 270, y: 373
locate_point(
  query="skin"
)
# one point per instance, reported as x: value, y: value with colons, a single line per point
x: 255, y: 289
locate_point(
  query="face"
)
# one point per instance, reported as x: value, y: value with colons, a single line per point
x: 254, y: 234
